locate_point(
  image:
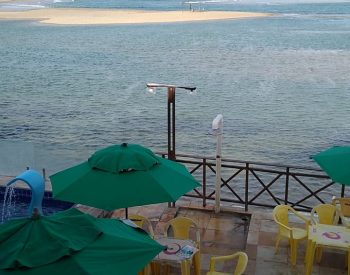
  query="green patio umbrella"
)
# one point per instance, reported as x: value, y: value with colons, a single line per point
x: 72, y: 242
x: 122, y: 176
x: 335, y: 162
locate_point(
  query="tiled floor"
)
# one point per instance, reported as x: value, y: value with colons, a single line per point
x: 230, y: 231
x: 261, y: 241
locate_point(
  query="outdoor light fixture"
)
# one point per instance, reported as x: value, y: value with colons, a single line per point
x: 171, y: 111
x: 152, y: 90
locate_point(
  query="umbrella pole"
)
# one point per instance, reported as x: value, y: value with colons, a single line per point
x: 126, y: 213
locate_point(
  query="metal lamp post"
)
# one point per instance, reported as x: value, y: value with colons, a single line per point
x: 171, y: 113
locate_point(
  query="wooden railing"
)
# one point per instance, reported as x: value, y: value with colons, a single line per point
x: 261, y: 184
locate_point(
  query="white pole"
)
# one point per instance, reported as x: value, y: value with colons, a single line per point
x: 217, y: 127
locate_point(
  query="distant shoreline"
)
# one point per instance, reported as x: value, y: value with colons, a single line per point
x: 83, y: 16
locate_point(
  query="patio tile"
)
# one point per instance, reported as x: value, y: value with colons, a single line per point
x: 221, y: 224
x: 251, y: 251
x: 267, y: 253
x: 220, y: 236
x: 267, y: 238
x: 333, y: 259
x: 253, y: 238
x: 333, y: 271
x: 201, y: 218
x: 277, y: 268
x: 213, y: 248
x: 159, y: 229
x: 251, y: 267
x: 268, y: 226
x: 255, y: 223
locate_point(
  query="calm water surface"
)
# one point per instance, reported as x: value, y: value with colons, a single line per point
x: 282, y: 84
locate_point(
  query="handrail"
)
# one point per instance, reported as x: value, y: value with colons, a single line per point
x: 244, y: 161
x: 247, y: 182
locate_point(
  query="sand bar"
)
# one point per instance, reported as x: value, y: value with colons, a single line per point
x: 77, y: 16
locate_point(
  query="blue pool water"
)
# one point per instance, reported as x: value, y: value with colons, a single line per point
x: 21, y: 201
x: 282, y: 84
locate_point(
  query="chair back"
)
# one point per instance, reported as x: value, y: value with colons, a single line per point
x: 280, y: 215
x: 343, y: 204
x: 181, y: 227
x: 143, y: 223
x: 241, y: 264
x: 325, y: 214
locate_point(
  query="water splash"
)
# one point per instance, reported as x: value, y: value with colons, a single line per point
x: 35, y: 182
x: 9, y: 203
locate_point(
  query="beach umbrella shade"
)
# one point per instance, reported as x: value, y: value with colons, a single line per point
x: 335, y: 161
x: 123, y: 176
x: 72, y: 242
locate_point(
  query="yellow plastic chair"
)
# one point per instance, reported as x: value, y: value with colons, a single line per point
x: 240, y: 266
x: 343, y: 206
x: 285, y: 230
x: 143, y: 223
x: 182, y: 228
x: 324, y: 214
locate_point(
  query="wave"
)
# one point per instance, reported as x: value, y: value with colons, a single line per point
x: 20, y: 6
x: 62, y: 1
x: 326, y: 16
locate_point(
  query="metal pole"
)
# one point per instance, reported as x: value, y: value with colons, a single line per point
x: 246, y: 186
x: 171, y: 115
x: 171, y: 128
x: 171, y: 123
x: 217, y: 126
x: 218, y: 174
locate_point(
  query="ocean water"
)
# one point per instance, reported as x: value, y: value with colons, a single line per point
x: 281, y: 82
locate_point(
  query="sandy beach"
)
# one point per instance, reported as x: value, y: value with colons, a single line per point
x: 76, y: 16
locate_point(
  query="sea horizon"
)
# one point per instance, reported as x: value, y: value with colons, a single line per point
x: 281, y: 84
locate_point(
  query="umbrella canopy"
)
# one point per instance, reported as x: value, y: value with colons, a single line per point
x: 335, y: 162
x: 75, y: 243
x: 123, y: 176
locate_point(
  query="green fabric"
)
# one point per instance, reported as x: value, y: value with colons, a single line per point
x: 335, y: 162
x: 62, y: 234
x: 163, y: 182
x: 125, y: 157
x: 120, y: 249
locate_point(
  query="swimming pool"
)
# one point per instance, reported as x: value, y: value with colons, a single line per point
x: 22, y: 199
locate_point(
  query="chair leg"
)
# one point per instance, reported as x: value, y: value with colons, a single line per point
x: 197, y: 263
x: 277, y: 243
x: 293, y: 252
x: 311, y: 248
x: 167, y: 269
x: 318, y: 254
x: 155, y: 268
x: 146, y: 270
x: 185, y: 268
x: 348, y: 259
